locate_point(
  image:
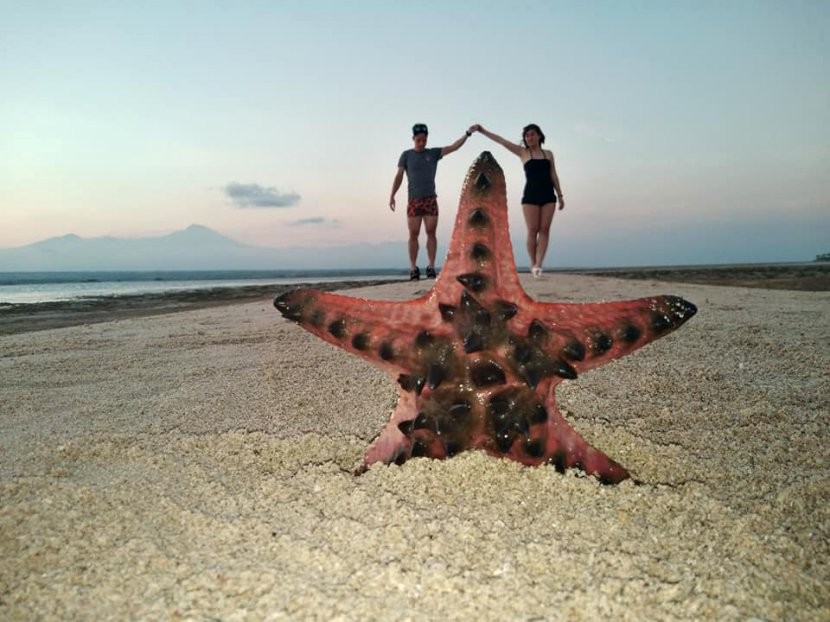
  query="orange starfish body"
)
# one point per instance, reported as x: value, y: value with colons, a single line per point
x: 476, y: 360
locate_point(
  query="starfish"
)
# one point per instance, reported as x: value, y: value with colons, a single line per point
x: 476, y: 360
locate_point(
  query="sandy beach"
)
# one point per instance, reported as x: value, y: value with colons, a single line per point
x: 197, y: 464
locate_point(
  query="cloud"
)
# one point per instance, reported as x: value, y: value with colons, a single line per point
x: 314, y: 220
x: 254, y: 195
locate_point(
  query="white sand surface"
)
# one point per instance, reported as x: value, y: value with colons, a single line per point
x: 197, y: 466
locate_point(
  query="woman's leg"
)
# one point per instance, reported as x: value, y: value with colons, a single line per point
x: 545, y: 219
x: 532, y: 219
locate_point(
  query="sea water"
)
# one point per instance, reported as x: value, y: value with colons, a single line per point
x: 39, y: 287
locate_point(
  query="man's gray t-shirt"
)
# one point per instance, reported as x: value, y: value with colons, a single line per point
x: 420, y: 170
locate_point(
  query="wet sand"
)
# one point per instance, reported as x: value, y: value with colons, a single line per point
x: 197, y: 465
x: 17, y: 318
x: 811, y: 276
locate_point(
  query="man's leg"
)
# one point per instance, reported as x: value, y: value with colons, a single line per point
x: 430, y: 224
x: 414, y: 224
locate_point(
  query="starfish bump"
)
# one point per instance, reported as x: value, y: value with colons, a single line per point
x: 476, y: 360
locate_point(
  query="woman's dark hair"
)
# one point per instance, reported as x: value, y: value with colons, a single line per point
x: 533, y: 126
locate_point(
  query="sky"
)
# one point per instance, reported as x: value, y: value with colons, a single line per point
x: 684, y: 132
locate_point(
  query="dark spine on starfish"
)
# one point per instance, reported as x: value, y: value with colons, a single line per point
x: 385, y: 351
x: 486, y: 373
x: 290, y: 307
x: 482, y: 183
x: 480, y: 252
x: 473, y: 341
x: 436, y: 374
x: 574, y: 351
x: 537, y: 332
x: 598, y: 342
x: 424, y: 339
x: 505, y: 310
x: 478, y: 219
x: 411, y: 383
x: 630, y: 333
x: 474, y: 281
x: 447, y: 312
x: 360, y: 341
x: 534, y: 447
x: 338, y: 328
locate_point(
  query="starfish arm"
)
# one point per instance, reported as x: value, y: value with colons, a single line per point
x: 379, y: 331
x: 520, y: 425
x: 392, y: 445
x: 480, y: 254
x: 585, y: 336
x: 565, y: 448
x: 549, y: 439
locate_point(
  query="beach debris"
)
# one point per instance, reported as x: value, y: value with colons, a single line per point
x: 476, y: 360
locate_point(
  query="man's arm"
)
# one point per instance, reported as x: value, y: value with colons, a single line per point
x: 457, y: 144
x: 396, y: 183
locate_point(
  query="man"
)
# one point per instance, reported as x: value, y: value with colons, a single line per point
x: 420, y: 165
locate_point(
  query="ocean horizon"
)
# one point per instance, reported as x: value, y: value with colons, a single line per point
x: 54, y: 286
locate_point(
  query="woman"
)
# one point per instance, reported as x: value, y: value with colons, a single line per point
x: 541, y: 189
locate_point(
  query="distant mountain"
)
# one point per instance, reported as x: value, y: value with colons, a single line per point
x: 194, y: 248
x: 200, y: 248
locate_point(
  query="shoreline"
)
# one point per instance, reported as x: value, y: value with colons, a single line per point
x: 19, y: 318
x: 807, y: 276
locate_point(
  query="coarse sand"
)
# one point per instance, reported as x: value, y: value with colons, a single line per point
x: 198, y: 465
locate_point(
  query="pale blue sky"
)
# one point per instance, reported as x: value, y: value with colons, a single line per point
x: 685, y: 132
